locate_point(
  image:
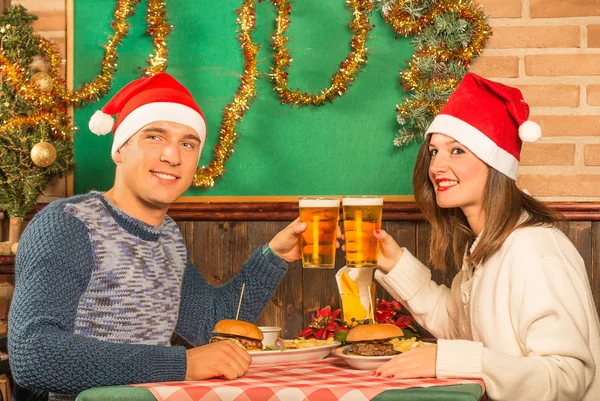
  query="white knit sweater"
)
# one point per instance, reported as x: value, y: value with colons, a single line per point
x: 524, y: 321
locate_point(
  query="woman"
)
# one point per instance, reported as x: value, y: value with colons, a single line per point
x: 519, y: 313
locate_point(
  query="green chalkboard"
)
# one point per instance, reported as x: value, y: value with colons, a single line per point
x: 344, y: 147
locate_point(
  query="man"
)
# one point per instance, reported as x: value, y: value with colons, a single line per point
x: 102, y: 280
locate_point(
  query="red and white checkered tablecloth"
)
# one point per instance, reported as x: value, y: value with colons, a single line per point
x: 324, y: 380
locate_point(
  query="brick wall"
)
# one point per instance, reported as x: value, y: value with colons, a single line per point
x: 550, y: 49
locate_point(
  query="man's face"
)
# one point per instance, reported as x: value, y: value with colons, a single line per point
x: 158, y: 163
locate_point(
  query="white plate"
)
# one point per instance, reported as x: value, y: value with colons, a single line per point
x: 364, y: 362
x: 292, y: 355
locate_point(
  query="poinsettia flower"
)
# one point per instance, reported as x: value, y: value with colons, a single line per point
x: 393, y: 305
x: 404, y: 321
x: 392, y: 313
x: 384, y: 315
x: 324, y: 325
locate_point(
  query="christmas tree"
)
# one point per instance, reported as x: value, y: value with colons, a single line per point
x: 36, y: 134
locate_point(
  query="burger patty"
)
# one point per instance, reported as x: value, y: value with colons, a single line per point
x: 248, y: 343
x: 370, y: 348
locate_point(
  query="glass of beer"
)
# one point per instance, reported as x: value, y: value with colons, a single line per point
x: 362, y: 215
x: 318, y: 241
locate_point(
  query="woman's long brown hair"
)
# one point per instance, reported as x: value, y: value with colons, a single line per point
x: 503, y: 203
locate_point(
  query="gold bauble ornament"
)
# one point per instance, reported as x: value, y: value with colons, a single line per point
x: 43, y: 154
x: 42, y: 81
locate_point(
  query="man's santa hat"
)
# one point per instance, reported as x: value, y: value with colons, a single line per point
x: 490, y: 119
x: 144, y: 101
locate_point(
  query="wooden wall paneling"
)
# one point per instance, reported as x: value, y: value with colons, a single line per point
x: 288, y: 211
x: 240, y: 239
x: 422, y: 253
x: 595, y: 272
x: 319, y: 287
x: 210, y: 243
x: 187, y: 232
x: 285, y: 308
x: 3, y: 226
x: 423, y: 234
x: 580, y: 234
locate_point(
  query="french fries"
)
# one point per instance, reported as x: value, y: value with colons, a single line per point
x: 301, y: 342
x: 405, y: 344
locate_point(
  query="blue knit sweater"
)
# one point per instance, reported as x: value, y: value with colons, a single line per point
x: 98, y: 294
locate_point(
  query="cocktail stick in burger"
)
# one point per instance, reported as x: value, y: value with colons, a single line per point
x: 245, y: 334
x: 374, y: 339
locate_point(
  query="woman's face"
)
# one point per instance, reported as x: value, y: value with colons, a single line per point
x: 458, y: 176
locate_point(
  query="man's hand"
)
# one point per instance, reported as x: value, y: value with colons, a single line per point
x: 286, y: 243
x: 221, y: 359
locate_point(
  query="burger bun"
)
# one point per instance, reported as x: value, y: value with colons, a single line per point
x: 238, y: 328
x: 374, y: 332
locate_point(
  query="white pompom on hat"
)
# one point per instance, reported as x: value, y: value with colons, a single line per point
x: 530, y: 131
x: 146, y: 100
x: 101, y: 123
x: 490, y: 119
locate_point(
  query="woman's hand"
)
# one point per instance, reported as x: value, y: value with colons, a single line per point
x: 389, y: 251
x: 417, y: 362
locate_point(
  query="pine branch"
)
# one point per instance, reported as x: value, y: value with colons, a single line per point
x: 21, y: 181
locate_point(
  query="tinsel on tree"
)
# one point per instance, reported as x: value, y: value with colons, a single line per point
x: 447, y: 35
x: 36, y: 134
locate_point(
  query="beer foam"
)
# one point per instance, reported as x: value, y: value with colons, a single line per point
x: 362, y: 201
x: 319, y: 203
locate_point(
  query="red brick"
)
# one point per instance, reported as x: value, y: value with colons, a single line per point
x: 593, y: 35
x: 550, y: 95
x: 593, y: 95
x: 509, y: 37
x: 562, y: 64
x: 560, y: 185
x: 502, y: 8
x: 591, y: 155
x: 564, y: 8
x: 496, y: 66
x: 548, y: 154
x: 588, y: 125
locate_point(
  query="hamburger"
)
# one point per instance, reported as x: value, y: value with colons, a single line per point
x: 244, y: 334
x: 374, y: 339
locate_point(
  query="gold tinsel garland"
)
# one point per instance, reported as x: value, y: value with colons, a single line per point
x: 234, y: 111
x: 31, y: 121
x: 17, y: 75
x: 158, y: 29
x: 349, y: 68
x: 100, y: 85
x: 406, y: 24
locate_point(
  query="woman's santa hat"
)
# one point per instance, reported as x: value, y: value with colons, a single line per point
x: 146, y: 100
x: 490, y: 119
